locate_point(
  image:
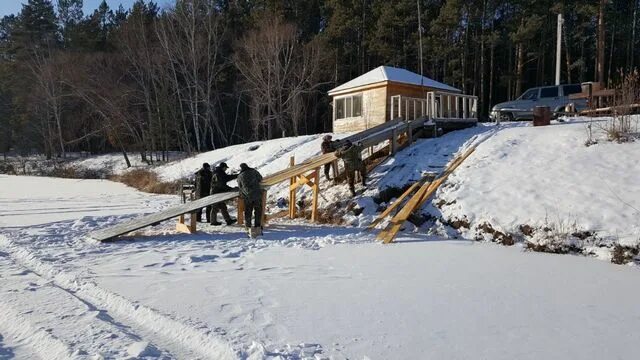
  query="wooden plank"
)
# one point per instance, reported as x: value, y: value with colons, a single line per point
x: 368, y: 137
x: 389, y: 234
x: 170, y: 213
x: 316, y: 189
x: 419, y: 198
x: 395, y: 204
x: 292, y: 191
x: 264, y: 209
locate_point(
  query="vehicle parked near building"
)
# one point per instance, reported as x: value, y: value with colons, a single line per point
x: 555, y: 97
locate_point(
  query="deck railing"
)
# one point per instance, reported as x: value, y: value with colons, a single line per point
x: 436, y: 106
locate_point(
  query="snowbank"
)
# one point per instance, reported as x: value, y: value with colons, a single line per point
x: 545, y: 177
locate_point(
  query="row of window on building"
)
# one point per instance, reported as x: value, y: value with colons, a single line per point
x: 348, y: 106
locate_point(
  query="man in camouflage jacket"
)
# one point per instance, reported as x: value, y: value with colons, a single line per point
x: 351, y: 155
x: 219, y: 185
x: 249, y: 181
x: 203, y: 186
x: 327, y: 146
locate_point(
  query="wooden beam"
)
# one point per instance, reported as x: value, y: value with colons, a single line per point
x: 190, y: 228
x: 418, y: 199
x: 316, y: 190
x: 395, y: 204
x: 264, y: 208
x: 292, y: 191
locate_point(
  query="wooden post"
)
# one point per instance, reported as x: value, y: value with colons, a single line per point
x: 465, y: 108
x: 394, y: 141
x: 409, y: 134
x: 292, y: 192
x: 264, y: 208
x: 316, y: 189
x: 192, y: 227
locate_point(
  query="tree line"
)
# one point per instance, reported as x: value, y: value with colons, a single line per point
x: 203, y: 74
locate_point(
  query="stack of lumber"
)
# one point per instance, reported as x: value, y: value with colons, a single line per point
x: 417, y: 195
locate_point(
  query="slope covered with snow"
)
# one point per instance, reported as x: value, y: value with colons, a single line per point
x: 545, y: 177
x: 300, y: 292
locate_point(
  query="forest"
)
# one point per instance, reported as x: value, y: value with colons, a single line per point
x: 204, y: 74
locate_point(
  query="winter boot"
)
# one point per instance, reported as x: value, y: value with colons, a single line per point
x: 231, y: 221
x: 215, y: 222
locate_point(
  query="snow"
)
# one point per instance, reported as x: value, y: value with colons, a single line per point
x: 388, y: 73
x: 546, y: 176
x: 308, y: 291
x: 301, y: 291
x: 266, y: 156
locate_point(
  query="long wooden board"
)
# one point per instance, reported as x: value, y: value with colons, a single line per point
x: 368, y: 138
x: 170, y: 213
x: 419, y: 198
x: 389, y: 234
x: 395, y: 204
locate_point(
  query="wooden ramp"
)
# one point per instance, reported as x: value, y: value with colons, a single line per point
x: 148, y: 220
x: 417, y: 200
x: 303, y: 174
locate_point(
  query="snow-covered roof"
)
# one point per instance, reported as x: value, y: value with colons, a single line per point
x: 388, y: 73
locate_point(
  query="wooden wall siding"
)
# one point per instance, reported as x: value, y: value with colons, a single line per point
x: 376, y: 105
x: 374, y: 112
x: 404, y: 90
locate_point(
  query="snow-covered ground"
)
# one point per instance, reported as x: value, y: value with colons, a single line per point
x: 545, y: 177
x: 301, y: 292
x: 308, y: 291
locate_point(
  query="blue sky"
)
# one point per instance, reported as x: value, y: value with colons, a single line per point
x: 13, y: 6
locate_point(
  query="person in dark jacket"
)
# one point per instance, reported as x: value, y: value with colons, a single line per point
x: 327, y: 146
x: 219, y: 185
x: 351, y: 155
x: 203, y: 188
x: 249, y: 181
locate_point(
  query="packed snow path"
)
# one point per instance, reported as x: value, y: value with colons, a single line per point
x: 300, y: 292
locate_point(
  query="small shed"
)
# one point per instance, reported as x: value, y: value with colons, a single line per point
x: 367, y: 100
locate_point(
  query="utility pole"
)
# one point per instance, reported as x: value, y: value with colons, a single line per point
x: 420, y: 43
x: 558, y: 48
x: 600, y: 44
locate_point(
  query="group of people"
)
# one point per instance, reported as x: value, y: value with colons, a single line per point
x: 249, y: 183
x: 215, y: 182
x: 351, y: 155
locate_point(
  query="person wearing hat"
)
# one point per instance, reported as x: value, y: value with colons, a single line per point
x: 327, y: 146
x: 351, y: 155
x: 249, y: 181
x: 219, y: 185
x: 203, y: 187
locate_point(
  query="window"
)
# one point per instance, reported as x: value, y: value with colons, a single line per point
x: 530, y: 95
x: 549, y: 92
x: 349, y: 106
x: 571, y: 89
x: 357, y: 105
x: 340, y: 109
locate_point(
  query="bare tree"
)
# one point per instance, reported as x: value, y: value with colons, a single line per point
x: 278, y: 71
x: 191, y: 37
x: 49, y: 86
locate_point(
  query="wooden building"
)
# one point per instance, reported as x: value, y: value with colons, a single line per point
x: 386, y: 93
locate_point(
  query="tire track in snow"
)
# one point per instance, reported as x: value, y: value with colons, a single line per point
x: 80, y: 331
x: 181, y: 339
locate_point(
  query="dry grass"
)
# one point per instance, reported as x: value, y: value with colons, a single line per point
x: 147, y: 181
x: 623, y: 128
x: 623, y: 254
